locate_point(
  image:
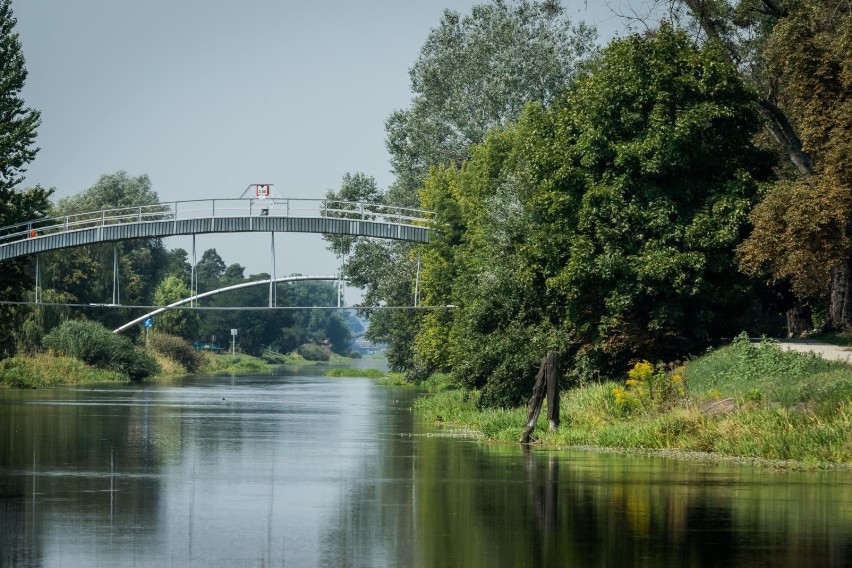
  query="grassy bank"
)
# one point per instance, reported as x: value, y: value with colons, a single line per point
x: 743, y: 401
x: 381, y: 377
x: 41, y: 371
x: 45, y: 370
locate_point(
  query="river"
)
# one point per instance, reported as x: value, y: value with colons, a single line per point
x: 296, y: 469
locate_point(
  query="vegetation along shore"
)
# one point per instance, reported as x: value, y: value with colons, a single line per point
x: 748, y: 401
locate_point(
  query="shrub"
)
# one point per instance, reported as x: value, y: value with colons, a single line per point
x: 177, y: 349
x: 313, y: 352
x: 94, y: 344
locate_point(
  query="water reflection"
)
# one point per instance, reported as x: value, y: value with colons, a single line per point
x: 304, y: 470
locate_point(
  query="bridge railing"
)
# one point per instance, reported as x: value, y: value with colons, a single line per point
x: 206, y: 208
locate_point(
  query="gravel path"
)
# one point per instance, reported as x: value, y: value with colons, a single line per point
x: 824, y: 350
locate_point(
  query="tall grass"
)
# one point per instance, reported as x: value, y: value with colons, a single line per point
x: 44, y: 370
x: 765, y: 373
x: 350, y: 372
x: 237, y: 363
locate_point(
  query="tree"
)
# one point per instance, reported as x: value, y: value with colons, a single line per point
x: 532, y: 48
x: 177, y: 264
x: 796, y: 53
x: 86, y: 273
x: 603, y: 226
x: 175, y: 322
x: 209, y: 270
x: 474, y: 73
x: 18, y: 125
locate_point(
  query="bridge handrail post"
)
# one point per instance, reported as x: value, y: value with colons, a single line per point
x: 213, y: 208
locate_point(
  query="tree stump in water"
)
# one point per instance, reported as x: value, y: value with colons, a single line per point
x: 546, y: 383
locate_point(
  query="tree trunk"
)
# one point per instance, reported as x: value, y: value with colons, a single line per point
x: 840, y: 298
x: 714, y: 24
x: 799, y: 320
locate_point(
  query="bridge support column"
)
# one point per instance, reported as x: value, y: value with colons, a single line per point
x: 116, y: 292
x: 37, y: 282
x: 273, y: 290
x: 417, y: 281
x: 193, y: 276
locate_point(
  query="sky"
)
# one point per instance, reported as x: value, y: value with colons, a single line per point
x: 209, y: 96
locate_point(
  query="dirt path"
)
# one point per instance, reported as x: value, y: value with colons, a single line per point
x: 824, y: 350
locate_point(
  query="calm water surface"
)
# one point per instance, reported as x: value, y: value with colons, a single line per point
x: 302, y: 470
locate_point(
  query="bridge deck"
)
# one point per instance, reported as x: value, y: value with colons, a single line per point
x: 215, y: 216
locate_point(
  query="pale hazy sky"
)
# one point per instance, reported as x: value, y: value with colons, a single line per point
x: 209, y: 96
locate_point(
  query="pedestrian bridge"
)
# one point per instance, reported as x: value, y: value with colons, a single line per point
x: 278, y: 215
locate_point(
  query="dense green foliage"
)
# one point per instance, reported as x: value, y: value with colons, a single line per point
x: 85, y: 274
x: 796, y: 54
x: 18, y: 126
x: 602, y: 226
x: 182, y: 323
x: 95, y: 345
x: 474, y: 73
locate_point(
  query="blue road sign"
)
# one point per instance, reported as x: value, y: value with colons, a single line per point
x: 148, y: 322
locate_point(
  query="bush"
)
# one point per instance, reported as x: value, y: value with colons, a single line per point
x: 177, y: 349
x: 94, y: 344
x: 313, y: 352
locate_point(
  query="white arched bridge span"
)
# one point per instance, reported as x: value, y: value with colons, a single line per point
x: 279, y: 215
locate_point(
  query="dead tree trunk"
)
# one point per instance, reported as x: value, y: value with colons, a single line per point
x: 546, y: 383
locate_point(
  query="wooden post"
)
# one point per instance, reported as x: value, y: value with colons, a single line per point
x: 546, y: 382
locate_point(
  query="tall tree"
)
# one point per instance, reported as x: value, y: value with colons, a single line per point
x: 86, y: 273
x: 18, y: 125
x: 796, y: 53
x: 603, y: 226
x: 474, y: 73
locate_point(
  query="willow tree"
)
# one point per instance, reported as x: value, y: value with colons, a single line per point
x: 18, y: 125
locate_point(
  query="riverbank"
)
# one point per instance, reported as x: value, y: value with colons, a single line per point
x: 43, y: 370
x: 742, y: 401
